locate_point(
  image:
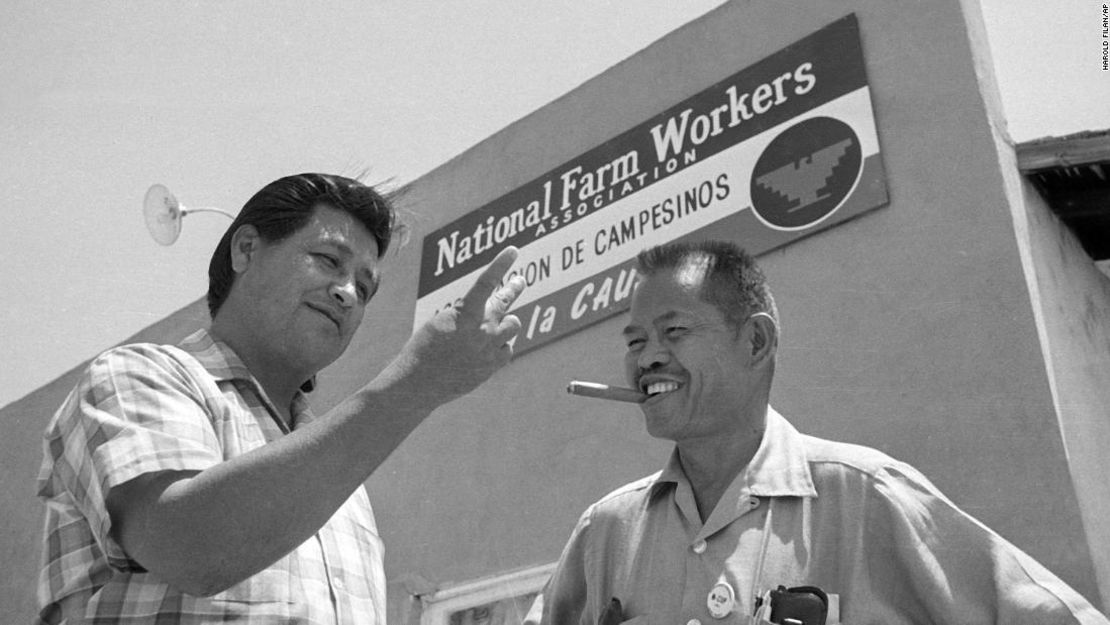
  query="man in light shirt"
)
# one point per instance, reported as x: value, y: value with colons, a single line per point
x: 751, y: 521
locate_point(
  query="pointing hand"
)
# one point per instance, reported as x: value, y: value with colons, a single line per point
x: 462, y: 346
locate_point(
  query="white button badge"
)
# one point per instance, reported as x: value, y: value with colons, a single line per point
x: 721, y: 600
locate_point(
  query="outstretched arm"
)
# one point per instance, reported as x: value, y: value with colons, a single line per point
x: 205, y: 531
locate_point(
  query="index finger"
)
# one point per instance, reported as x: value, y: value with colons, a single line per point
x: 474, y: 302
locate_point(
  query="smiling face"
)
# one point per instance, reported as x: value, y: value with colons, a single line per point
x: 301, y: 299
x: 695, y: 366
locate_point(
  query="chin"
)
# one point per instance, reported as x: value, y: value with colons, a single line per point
x: 316, y: 360
x: 326, y: 345
x: 661, y: 427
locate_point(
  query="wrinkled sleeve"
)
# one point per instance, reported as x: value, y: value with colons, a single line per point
x: 136, y: 411
x: 564, y: 597
x: 943, y: 563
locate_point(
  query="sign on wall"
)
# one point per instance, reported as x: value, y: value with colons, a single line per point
x: 773, y: 153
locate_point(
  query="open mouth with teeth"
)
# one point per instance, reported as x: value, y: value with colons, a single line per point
x: 659, y: 388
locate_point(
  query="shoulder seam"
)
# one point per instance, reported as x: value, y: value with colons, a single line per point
x: 631, y: 487
x: 872, y: 465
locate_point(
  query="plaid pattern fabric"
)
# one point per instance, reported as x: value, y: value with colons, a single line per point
x: 144, y: 408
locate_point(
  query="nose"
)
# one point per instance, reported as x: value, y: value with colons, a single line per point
x: 654, y: 354
x: 344, y: 293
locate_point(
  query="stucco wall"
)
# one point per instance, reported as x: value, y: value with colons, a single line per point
x: 1071, y: 300
x: 909, y: 329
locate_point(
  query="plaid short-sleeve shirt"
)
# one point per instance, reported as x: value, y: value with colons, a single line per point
x: 147, y: 408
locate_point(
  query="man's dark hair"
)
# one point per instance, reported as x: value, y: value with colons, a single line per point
x: 734, y: 284
x: 284, y: 206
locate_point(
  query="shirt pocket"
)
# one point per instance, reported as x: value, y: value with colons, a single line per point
x: 360, y: 585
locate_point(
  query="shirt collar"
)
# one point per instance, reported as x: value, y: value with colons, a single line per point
x: 223, y: 364
x: 217, y: 357
x: 779, y: 468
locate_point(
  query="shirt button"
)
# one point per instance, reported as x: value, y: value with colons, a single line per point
x: 699, y: 548
x: 693, y: 621
x: 338, y: 583
x: 754, y: 502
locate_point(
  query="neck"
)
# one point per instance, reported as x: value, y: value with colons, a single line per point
x: 712, y: 463
x: 278, y: 381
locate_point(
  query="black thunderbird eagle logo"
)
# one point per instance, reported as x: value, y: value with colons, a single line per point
x: 805, y: 173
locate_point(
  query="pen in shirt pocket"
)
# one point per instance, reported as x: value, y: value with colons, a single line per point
x: 612, y: 614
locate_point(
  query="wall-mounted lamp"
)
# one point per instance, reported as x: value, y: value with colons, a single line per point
x: 163, y: 214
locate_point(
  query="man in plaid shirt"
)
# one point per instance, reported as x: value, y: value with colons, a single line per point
x: 193, y: 484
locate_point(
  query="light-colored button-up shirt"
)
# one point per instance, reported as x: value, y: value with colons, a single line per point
x: 850, y: 520
x: 147, y: 408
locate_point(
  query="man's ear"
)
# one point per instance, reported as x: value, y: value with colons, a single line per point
x: 764, y: 337
x: 244, y: 245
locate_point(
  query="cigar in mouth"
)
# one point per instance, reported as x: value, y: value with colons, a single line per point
x: 604, y: 391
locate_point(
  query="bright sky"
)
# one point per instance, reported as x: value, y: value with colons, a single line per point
x: 98, y: 100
